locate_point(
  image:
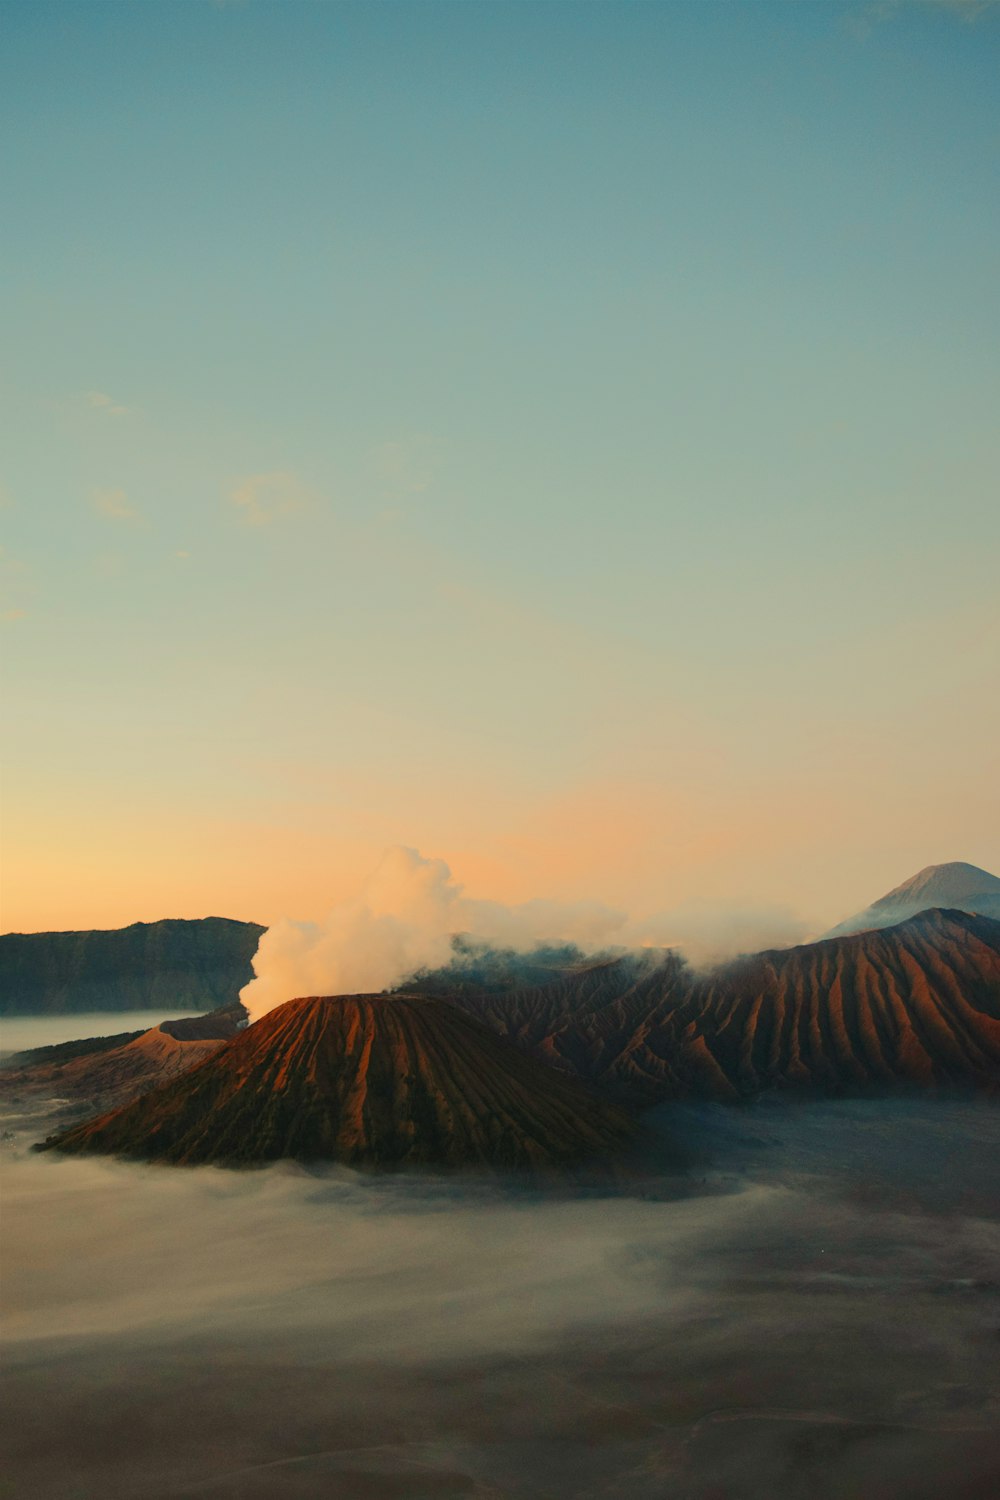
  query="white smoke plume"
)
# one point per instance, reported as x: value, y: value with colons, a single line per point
x: 410, y: 909
x: 709, y: 932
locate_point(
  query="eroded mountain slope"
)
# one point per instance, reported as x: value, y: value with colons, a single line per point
x: 375, y: 1081
x: 918, y: 1003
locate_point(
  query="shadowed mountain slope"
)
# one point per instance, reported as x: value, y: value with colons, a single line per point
x: 370, y: 1080
x: 105, y: 1072
x: 529, y: 1009
x: 916, y: 1003
x: 954, y: 887
x: 919, y: 1002
x: 148, y: 966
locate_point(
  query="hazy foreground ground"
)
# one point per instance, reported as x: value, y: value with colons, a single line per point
x: 817, y: 1316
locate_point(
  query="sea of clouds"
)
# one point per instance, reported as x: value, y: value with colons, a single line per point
x: 812, y: 1309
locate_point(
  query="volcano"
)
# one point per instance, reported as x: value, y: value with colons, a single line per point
x: 916, y: 1004
x: 106, y: 1072
x: 955, y: 887
x: 374, y: 1081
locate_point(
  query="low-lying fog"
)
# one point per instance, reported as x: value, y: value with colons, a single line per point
x: 21, y: 1033
x: 816, y: 1316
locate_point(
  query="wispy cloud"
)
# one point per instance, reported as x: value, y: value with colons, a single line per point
x: 968, y: 11
x: 107, y: 565
x: 405, y: 466
x: 261, y: 499
x: 101, y: 401
x: 15, y: 587
x: 113, y: 505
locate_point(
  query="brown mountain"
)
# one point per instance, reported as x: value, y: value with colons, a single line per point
x: 105, y: 1072
x: 375, y: 1081
x: 916, y: 1003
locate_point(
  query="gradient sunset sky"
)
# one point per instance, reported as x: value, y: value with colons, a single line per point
x: 559, y: 437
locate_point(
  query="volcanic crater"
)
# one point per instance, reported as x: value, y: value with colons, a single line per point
x: 370, y: 1080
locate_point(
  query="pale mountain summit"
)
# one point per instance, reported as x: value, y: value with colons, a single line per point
x: 956, y: 887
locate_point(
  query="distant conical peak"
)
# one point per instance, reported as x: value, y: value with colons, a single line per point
x: 955, y: 877
x: 956, y: 886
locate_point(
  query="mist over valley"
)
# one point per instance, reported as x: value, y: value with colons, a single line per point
x: 811, y: 1301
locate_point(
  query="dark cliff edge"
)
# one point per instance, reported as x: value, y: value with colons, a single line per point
x: 170, y: 965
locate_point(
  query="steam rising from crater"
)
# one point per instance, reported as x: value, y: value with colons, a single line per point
x: 410, y: 909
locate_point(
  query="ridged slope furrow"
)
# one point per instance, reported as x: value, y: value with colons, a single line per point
x: 917, y: 1003
x: 375, y: 1081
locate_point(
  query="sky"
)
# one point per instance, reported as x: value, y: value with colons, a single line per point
x: 557, y: 437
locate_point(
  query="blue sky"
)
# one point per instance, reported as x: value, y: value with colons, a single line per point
x: 428, y: 422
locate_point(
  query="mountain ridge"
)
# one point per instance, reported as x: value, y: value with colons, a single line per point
x: 106, y: 1072
x: 171, y: 964
x: 373, y: 1081
x: 916, y: 1003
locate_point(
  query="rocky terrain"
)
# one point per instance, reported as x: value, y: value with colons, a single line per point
x: 483, y: 1062
x: 918, y: 1003
x: 372, y: 1081
x: 105, y: 1072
